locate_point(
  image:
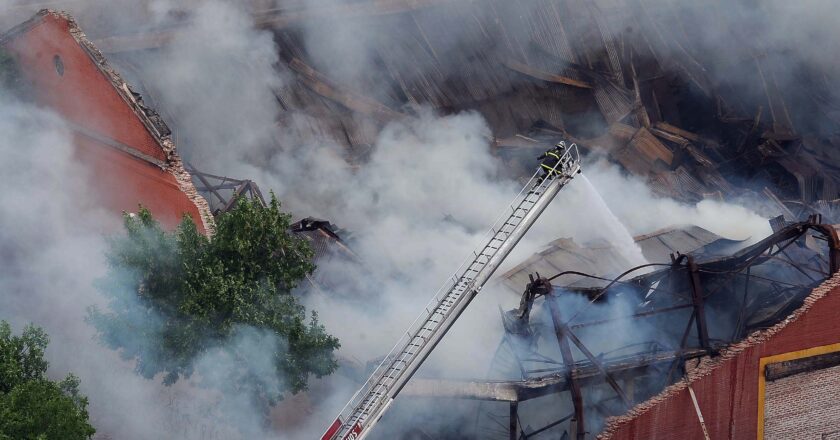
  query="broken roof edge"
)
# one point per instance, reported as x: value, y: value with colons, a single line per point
x: 708, y: 365
x: 151, y: 120
x: 176, y: 168
x: 23, y: 27
x: 155, y: 125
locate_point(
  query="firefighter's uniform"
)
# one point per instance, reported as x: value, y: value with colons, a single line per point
x: 551, y: 160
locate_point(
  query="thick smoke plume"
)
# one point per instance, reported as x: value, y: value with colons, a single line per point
x: 416, y: 207
x: 52, y: 251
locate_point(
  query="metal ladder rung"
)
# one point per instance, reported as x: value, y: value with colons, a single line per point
x: 371, y: 403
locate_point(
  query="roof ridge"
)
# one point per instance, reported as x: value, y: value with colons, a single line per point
x: 151, y: 120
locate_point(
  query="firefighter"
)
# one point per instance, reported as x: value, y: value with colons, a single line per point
x: 551, y: 161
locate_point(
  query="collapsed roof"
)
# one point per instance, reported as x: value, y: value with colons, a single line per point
x: 635, y: 80
x: 587, y: 353
x: 602, y: 259
x: 651, y: 103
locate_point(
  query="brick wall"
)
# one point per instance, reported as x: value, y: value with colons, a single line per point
x: 126, y: 148
x: 803, y: 406
x: 729, y: 387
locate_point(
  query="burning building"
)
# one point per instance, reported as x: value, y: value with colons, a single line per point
x: 127, y: 144
x: 717, y: 335
x: 689, y: 348
x: 777, y: 383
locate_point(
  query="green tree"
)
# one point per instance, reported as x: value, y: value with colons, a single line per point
x: 175, y: 296
x: 32, y: 406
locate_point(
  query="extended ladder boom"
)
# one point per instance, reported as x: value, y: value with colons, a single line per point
x: 377, y: 394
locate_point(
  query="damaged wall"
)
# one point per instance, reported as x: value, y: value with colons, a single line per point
x: 730, y: 389
x: 126, y: 143
x: 512, y: 98
x: 654, y: 84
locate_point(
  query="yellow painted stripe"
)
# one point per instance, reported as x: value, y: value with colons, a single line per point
x: 762, y: 363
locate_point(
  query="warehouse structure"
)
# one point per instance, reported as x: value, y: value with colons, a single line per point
x: 781, y: 382
x: 127, y: 145
x: 744, y: 337
x: 582, y: 349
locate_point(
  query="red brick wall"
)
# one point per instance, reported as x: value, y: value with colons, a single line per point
x: 84, y: 96
x: 727, y: 389
x: 123, y: 182
x: 789, y: 399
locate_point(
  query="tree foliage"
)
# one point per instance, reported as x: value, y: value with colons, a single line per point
x: 31, y: 406
x: 178, y: 295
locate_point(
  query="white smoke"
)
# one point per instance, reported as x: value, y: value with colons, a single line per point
x: 642, y: 212
x: 417, y: 207
x: 52, y: 251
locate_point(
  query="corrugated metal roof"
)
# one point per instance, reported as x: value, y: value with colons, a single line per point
x: 601, y: 259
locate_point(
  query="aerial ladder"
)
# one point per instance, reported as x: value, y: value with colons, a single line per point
x: 368, y: 405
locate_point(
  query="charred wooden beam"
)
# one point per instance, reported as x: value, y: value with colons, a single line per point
x: 784, y: 369
x: 699, y: 306
x: 547, y: 427
x: 256, y: 194
x: 693, y: 137
x: 671, y: 137
x: 475, y: 390
x: 585, y: 374
x: 561, y: 331
x: 680, y: 359
x: 742, y: 308
x: 607, y: 375
x: 321, y: 85
x: 544, y: 76
x: 235, y: 196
